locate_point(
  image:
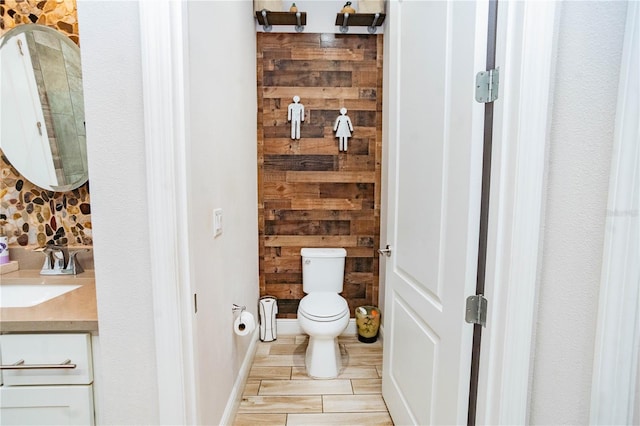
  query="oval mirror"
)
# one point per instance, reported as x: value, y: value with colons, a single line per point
x: 42, y: 107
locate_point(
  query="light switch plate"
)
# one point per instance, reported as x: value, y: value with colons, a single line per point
x: 217, y: 222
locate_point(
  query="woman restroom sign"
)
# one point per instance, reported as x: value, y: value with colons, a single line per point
x: 343, y: 128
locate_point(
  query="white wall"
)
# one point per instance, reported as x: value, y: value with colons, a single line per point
x: 223, y: 174
x: 115, y: 134
x: 589, y: 45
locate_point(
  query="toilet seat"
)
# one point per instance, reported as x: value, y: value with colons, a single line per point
x: 323, y: 306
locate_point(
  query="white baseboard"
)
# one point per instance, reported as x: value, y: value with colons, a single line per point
x: 290, y: 326
x: 238, y: 387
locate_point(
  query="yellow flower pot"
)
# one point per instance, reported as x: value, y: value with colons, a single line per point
x: 368, y: 323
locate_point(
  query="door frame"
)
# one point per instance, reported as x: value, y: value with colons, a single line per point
x: 164, y: 63
x: 525, y: 54
x: 527, y: 34
x: 615, y: 383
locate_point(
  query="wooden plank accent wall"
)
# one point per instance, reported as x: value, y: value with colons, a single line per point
x: 309, y: 193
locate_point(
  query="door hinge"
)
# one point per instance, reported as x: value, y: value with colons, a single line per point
x: 476, y: 310
x: 487, y: 85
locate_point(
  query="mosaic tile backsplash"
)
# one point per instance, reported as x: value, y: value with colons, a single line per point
x: 33, y: 217
x: 61, y: 15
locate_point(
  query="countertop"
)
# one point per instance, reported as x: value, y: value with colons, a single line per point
x: 72, y: 311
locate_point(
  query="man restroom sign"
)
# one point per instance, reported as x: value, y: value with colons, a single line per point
x: 295, y: 115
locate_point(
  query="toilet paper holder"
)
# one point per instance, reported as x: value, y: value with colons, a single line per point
x: 244, y: 323
x: 237, y: 308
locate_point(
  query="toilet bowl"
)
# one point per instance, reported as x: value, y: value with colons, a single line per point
x: 323, y: 314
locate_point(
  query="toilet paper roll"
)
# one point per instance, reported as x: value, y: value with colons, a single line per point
x: 244, y: 324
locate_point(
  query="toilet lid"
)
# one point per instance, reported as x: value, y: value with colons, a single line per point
x: 323, y: 306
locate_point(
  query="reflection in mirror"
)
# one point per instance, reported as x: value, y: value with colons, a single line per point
x: 42, y: 107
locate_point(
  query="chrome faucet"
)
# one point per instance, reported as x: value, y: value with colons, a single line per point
x: 59, y: 261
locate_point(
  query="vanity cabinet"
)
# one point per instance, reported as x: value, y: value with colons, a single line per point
x: 47, y: 379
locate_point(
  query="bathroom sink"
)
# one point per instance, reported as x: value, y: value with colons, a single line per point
x: 27, y: 295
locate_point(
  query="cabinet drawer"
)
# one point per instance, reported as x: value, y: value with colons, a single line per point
x: 47, y: 405
x: 46, y: 359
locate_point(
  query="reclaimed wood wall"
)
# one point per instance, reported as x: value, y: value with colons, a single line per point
x: 309, y: 193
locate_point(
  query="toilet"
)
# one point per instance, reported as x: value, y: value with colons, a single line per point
x: 323, y: 314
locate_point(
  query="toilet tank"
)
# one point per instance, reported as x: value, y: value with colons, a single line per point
x: 322, y: 269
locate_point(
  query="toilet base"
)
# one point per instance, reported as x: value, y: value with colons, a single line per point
x: 322, y: 359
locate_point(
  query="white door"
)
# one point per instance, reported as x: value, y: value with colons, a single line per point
x: 435, y: 133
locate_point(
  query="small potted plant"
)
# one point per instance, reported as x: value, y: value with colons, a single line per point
x: 368, y: 323
x: 348, y: 8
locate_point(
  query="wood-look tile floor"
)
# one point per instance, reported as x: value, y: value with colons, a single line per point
x: 278, y: 391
